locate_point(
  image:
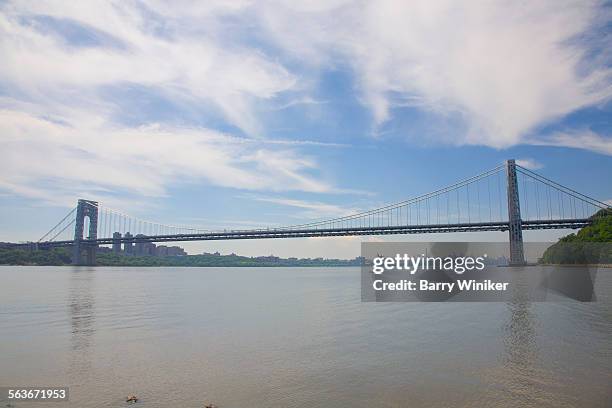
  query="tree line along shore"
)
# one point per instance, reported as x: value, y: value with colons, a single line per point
x: 63, y: 256
x: 590, y: 245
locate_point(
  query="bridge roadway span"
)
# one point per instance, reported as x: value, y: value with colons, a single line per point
x: 327, y: 232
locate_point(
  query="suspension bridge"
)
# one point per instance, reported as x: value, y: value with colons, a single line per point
x: 508, y: 197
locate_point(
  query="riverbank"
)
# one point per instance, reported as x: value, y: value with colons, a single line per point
x: 62, y: 257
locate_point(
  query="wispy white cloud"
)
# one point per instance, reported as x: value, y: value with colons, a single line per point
x: 530, y: 164
x: 58, y: 132
x: 305, y: 100
x: 502, y: 68
x: 196, y: 68
x: 312, y: 209
x: 290, y: 142
x: 43, y: 159
x: 222, y: 223
x: 581, y: 139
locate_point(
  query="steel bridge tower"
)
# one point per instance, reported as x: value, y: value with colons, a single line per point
x: 515, y: 227
x: 85, y: 208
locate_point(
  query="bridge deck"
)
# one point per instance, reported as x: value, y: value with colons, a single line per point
x: 329, y: 232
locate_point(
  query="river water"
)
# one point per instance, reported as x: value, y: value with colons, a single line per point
x: 291, y: 337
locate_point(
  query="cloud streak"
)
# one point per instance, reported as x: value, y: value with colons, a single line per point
x: 311, y: 209
x: 530, y: 164
x: 579, y: 139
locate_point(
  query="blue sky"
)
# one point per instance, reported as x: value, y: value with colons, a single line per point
x: 247, y: 114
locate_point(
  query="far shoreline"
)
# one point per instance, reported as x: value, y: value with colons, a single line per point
x: 187, y: 266
x: 63, y: 257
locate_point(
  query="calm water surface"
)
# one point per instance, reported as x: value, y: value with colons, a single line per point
x: 291, y: 337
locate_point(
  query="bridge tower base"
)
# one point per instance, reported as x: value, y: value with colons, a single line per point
x: 515, y: 228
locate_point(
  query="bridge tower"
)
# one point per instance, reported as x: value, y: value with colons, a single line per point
x: 85, y: 208
x: 515, y: 230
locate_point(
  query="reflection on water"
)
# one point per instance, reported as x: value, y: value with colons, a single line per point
x: 81, y: 309
x: 520, y: 348
x: 276, y: 337
x: 519, y: 331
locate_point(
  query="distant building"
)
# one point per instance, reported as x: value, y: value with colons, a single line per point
x: 139, y: 246
x: 148, y: 249
x: 128, y: 247
x: 143, y: 248
x: 271, y: 258
x: 174, y: 251
x: 161, y: 250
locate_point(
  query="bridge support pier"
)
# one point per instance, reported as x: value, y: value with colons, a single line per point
x: 89, y: 209
x: 76, y: 253
x: 117, y: 242
x: 90, y: 254
x: 515, y: 228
